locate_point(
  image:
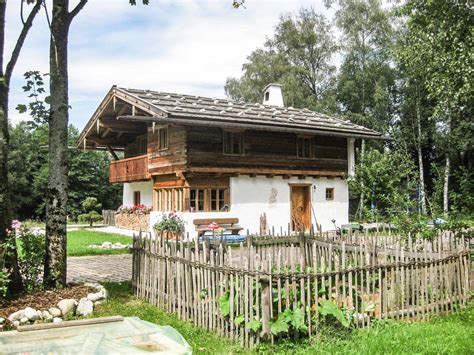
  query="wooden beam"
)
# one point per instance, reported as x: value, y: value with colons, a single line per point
x: 265, y: 171
x: 111, y: 151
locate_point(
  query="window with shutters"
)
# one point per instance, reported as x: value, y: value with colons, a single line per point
x: 305, y: 147
x: 233, y: 143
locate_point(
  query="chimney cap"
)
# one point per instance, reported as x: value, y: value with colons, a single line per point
x: 271, y: 84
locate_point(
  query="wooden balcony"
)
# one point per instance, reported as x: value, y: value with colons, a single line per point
x: 130, y: 169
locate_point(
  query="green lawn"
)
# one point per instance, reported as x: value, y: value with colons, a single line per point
x: 78, y: 241
x: 452, y: 334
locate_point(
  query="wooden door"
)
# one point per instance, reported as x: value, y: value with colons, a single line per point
x: 300, y: 208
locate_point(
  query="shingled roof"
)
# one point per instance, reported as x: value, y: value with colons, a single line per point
x: 135, y: 109
x: 239, y: 112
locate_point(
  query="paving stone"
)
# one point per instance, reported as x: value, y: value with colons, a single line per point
x: 99, y: 268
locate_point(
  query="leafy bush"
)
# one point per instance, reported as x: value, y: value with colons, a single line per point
x: 31, y: 255
x: 170, y: 222
x: 90, y: 217
x: 90, y: 206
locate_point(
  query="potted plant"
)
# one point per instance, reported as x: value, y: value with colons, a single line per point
x: 170, y: 226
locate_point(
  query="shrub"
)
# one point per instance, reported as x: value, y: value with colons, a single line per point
x: 90, y: 206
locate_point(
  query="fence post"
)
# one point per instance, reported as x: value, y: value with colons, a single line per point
x: 266, y: 311
x: 302, y: 242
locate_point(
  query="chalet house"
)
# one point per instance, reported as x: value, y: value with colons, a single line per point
x: 216, y: 158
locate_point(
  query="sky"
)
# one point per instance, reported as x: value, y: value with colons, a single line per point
x: 182, y: 46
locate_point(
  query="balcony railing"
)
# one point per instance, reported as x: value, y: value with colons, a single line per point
x: 130, y: 169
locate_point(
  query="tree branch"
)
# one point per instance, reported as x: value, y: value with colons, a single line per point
x: 77, y: 9
x: 21, y: 39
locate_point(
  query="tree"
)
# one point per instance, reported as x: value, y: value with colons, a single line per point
x: 11, y: 261
x: 440, y: 39
x: 90, y: 206
x: 298, y: 57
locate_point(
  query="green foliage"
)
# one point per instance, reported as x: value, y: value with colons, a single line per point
x: 224, y: 304
x: 28, y: 168
x: 78, y: 242
x: 90, y: 206
x: 280, y: 325
x: 329, y: 308
x: 170, y: 222
x: 387, y: 180
x: 254, y: 325
x: 298, y: 57
x: 31, y: 258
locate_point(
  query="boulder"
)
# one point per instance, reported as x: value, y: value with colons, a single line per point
x: 31, y: 313
x: 40, y: 314
x: 55, y: 312
x: 85, y: 307
x: 16, y: 323
x: 2, y: 320
x: 67, y: 306
x: 57, y: 320
x: 94, y: 297
x: 24, y: 320
x: 17, y: 315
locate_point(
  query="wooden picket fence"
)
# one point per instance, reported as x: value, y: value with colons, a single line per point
x: 242, y: 291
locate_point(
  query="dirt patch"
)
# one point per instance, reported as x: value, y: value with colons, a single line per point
x: 42, y: 300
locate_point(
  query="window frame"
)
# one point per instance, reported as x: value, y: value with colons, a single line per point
x: 169, y: 199
x: 311, y: 147
x: 331, y: 197
x: 225, y: 139
x: 208, y: 200
x: 160, y: 129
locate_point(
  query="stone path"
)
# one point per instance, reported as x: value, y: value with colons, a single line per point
x: 99, y: 268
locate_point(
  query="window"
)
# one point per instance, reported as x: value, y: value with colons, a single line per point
x: 304, y: 148
x: 163, y: 138
x: 208, y: 199
x: 217, y: 199
x: 329, y: 194
x: 196, y: 200
x: 142, y: 145
x: 267, y: 96
x: 136, y: 198
x: 233, y: 143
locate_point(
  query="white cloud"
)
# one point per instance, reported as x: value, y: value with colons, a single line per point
x: 187, y: 46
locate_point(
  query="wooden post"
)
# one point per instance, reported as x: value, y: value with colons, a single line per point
x: 266, y: 311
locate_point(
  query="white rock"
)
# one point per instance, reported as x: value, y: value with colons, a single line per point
x: 93, y: 285
x: 16, y: 323
x: 40, y: 314
x: 55, y: 312
x: 17, y: 315
x: 85, y: 307
x: 2, y: 320
x: 96, y: 303
x: 24, y: 320
x: 46, y: 315
x: 106, y: 245
x: 67, y: 306
x: 31, y: 313
x: 57, y: 320
x: 104, y: 292
x: 95, y: 296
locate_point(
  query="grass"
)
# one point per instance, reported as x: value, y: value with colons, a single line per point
x: 453, y: 334
x: 79, y: 240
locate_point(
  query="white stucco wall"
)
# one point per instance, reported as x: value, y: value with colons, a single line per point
x: 146, y: 192
x: 252, y: 196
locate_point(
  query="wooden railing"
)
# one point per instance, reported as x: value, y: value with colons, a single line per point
x: 130, y: 169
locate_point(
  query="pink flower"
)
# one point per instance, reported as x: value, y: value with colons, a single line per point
x: 16, y: 224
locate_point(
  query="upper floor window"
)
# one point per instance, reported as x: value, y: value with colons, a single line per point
x: 142, y: 145
x: 305, y: 147
x: 163, y: 138
x: 233, y: 143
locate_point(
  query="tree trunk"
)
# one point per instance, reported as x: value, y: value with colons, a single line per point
x: 56, y: 205
x: 11, y: 259
x: 420, y: 159
x: 446, y: 185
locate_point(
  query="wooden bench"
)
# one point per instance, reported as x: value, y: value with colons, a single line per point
x: 227, y: 224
